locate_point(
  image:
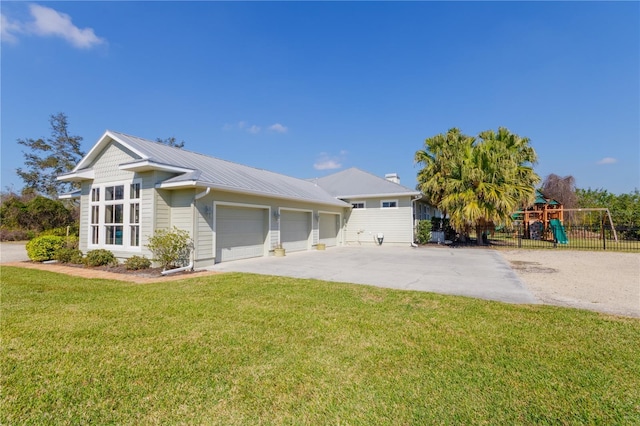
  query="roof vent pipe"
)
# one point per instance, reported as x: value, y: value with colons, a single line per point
x: 392, y: 177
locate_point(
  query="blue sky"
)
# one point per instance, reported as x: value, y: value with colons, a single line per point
x: 308, y: 89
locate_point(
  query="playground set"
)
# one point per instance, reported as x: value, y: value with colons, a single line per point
x: 543, y: 220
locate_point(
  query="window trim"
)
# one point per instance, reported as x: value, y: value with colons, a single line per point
x: 382, y: 206
x: 127, y: 202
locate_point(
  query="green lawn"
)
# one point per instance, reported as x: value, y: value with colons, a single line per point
x: 247, y: 349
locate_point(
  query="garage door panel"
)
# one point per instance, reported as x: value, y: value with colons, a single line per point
x: 295, y: 228
x: 240, y: 232
x: 328, y: 232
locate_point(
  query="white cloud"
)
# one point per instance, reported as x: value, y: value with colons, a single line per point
x: 329, y: 162
x: 607, y: 160
x: 254, y: 129
x: 278, y: 128
x: 48, y: 22
x: 9, y: 29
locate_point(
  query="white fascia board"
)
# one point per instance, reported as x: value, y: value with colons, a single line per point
x: 70, y: 195
x: 223, y: 188
x: 87, y: 174
x: 100, y: 145
x: 386, y: 195
x: 145, y: 165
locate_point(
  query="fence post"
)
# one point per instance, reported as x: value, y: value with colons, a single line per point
x: 604, y: 241
x: 519, y: 237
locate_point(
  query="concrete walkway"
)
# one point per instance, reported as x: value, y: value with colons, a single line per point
x: 478, y: 273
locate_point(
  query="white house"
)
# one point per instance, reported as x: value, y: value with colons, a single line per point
x: 131, y: 186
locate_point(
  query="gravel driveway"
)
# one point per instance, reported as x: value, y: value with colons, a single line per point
x: 607, y: 282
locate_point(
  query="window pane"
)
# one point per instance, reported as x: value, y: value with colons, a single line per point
x: 134, y: 213
x: 95, y: 211
x: 113, y: 213
x: 95, y: 194
x: 114, y: 193
x: 94, y: 234
x: 135, y: 236
x: 135, y: 191
x: 114, y: 235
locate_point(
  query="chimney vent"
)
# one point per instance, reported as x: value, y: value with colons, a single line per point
x: 392, y: 177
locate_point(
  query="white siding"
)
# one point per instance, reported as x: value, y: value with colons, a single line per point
x: 105, y: 166
x: 181, y: 211
x: 395, y: 223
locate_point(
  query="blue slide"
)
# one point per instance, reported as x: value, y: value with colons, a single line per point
x: 558, y: 231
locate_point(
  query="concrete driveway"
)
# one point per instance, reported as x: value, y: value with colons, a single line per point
x: 13, y: 252
x: 479, y: 273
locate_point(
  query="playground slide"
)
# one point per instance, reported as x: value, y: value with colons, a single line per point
x: 558, y: 231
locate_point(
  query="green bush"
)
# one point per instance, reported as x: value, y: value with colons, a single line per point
x: 100, y: 257
x: 61, y: 231
x: 135, y: 263
x: 44, y: 248
x: 423, y: 233
x: 170, y: 247
x: 68, y: 255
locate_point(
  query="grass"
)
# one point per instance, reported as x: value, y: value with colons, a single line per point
x: 584, y: 244
x: 247, y: 349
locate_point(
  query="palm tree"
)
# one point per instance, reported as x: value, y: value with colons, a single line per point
x: 439, y: 158
x: 481, y: 182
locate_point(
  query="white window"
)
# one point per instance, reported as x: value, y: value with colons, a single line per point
x: 389, y: 204
x: 114, y: 215
x: 358, y: 204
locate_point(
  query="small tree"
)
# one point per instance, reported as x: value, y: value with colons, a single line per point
x: 172, y: 141
x: 47, y: 159
x: 170, y: 247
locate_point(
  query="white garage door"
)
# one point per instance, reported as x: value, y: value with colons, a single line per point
x: 329, y: 229
x: 295, y: 228
x: 240, y: 232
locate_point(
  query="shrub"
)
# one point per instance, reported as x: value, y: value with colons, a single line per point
x: 68, y: 255
x: 135, y: 263
x: 44, y: 248
x: 61, y: 231
x: 170, y: 247
x: 423, y: 233
x: 100, y: 257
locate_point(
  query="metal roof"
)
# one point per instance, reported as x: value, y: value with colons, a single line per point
x: 206, y: 171
x: 353, y: 183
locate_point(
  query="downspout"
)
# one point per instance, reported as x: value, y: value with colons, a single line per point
x: 189, y: 267
x: 413, y: 220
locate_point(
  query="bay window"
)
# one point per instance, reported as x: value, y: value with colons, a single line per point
x: 115, y: 217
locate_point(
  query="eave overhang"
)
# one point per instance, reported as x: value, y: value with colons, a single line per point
x: 187, y: 184
x: 77, y: 176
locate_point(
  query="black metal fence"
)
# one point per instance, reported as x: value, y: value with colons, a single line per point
x: 573, y: 237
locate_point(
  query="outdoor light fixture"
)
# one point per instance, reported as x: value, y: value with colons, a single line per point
x: 317, y: 216
x: 276, y: 214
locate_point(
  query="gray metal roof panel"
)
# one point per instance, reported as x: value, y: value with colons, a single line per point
x: 215, y: 171
x: 354, y: 182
